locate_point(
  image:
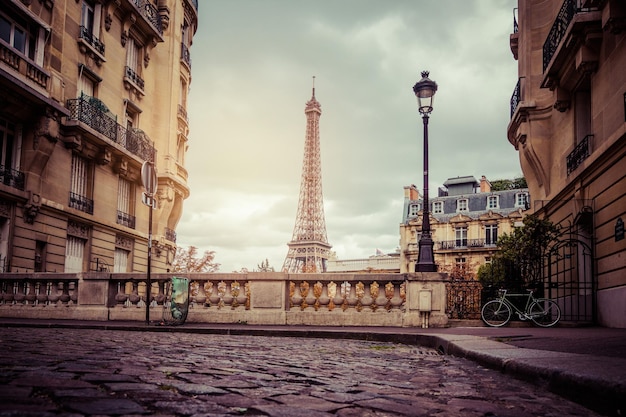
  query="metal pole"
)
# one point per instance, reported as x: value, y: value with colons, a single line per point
x: 149, y: 281
x: 426, y: 259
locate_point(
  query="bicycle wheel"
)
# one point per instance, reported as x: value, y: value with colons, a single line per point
x: 544, y: 312
x: 496, y: 313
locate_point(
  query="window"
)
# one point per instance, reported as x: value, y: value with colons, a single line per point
x: 125, y: 203
x: 487, y: 259
x: 414, y: 209
x: 74, y: 254
x: 460, y: 267
x: 438, y: 207
x: 22, y: 37
x: 90, y: 24
x: 80, y: 187
x: 492, y: 202
x: 491, y: 234
x: 521, y: 200
x: 462, y: 205
x: 133, y: 63
x: 120, y: 260
x: 460, y: 237
x: 8, y: 144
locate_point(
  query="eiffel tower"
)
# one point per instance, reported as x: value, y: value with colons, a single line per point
x: 309, y: 248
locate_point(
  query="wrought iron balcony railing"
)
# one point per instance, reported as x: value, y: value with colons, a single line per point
x: 93, y: 113
x: 11, y: 177
x: 81, y: 203
x: 125, y: 219
x: 559, y: 28
x: 150, y: 13
x: 134, y: 77
x: 516, y: 97
x: 170, y: 234
x: 185, y: 55
x: 579, y: 154
x: 460, y: 244
x: 88, y: 36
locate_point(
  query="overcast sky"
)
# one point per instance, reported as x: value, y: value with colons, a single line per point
x: 252, y: 68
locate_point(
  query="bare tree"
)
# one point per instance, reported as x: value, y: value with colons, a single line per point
x: 187, y: 261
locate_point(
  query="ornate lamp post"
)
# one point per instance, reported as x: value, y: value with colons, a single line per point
x: 425, y: 90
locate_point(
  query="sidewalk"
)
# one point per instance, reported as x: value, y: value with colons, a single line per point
x: 584, y: 364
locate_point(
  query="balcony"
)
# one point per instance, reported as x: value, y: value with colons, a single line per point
x: 93, y: 113
x: 133, y: 81
x: 572, y: 43
x: 579, y: 154
x: 150, y: 22
x: 24, y: 66
x: 170, y: 235
x: 516, y: 98
x: 12, y: 177
x: 125, y: 219
x: 81, y: 203
x: 462, y: 244
x: 185, y: 55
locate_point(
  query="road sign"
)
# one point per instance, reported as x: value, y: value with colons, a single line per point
x: 149, y: 178
x: 149, y: 200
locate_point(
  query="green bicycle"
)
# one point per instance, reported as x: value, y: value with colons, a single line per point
x: 541, y: 311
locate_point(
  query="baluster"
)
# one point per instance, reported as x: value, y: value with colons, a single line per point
x: 294, y: 298
x: 160, y: 297
x: 247, y: 289
x: 31, y: 296
x: 208, y: 292
x: 193, y: 292
x: 332, y: 293
x: 360, y: 293
x: 345, y: 292
x: 317, y: 293
x: 304, y: 292
x: 134, y: 297
x: 234, y: 291
x: 374, y: 293
x: 42, y: 293
x: 389, y: 290
x: 221, y: 293
x: 53, y: 293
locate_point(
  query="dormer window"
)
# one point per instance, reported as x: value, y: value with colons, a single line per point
x: 493, y: 202
x: 521, y: 200
x: 438, y: 207
x: 462, y: 205
x: 414, y: 209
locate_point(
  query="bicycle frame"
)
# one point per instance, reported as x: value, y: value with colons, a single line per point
x: 530, y: 299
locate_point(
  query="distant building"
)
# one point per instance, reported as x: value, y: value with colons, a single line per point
x: 380, y: 262
x: 568, y: 123
x: 466, y: 219
x: 90, y: 90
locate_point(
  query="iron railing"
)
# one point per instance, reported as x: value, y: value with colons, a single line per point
x: 150, y: 13
x: 463, y: 299
x: 11, y: 177
x: 579, y: 154
x: 462, y: 243
x: 81, y: 203
x: 559, y: 27
x: 185, y: 55
x: 88, y: 36
x: 134, y: 77
x: 516, y: 98
x: 125, y: 219
x: 93, y: 113
x: 170, y: 234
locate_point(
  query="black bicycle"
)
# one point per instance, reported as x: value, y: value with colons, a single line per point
x: 541, y: 311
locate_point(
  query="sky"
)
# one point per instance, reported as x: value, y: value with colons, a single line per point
x: 253, y: 63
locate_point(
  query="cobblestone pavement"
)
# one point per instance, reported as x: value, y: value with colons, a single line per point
x: 76, y: 372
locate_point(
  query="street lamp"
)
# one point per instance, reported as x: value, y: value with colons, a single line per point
x: 425, y: 90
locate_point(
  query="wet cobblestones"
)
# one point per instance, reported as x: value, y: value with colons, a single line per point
x: 76, y: 372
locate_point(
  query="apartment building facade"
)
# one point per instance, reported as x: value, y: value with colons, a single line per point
x: 466, y: 219
x: 568, y: 123
x: 90, y: 90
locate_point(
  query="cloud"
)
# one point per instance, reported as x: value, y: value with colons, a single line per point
x: 253, y: 64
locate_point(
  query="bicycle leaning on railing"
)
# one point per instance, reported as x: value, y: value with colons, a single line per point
x: 541, y: 311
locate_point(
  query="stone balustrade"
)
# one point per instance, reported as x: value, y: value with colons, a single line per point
x: 386, y: 299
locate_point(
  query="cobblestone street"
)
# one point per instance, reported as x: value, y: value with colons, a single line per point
x: 105, y: 372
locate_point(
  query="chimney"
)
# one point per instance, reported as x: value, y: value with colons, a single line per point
x: 410, y: 192
x: 485, y: 185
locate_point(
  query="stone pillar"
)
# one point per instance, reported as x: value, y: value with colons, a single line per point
x: 426, y: 300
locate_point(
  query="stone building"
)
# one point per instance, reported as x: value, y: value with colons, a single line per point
x: 466, y: 219
x: 568, y: 123
x: 90, y: 90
